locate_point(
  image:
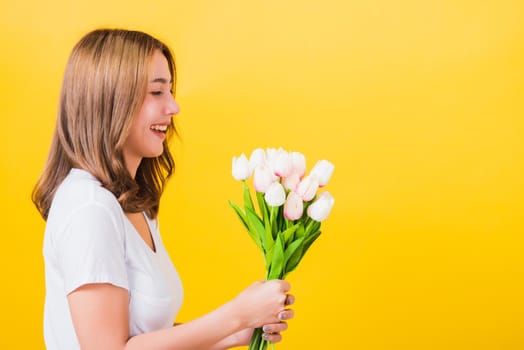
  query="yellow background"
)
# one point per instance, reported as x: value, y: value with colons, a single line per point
x: 419, y: 104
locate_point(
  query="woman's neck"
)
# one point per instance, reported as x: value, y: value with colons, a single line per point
x: 132, y: 164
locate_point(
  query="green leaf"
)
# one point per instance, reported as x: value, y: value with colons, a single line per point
x: 281, y: 219
x: 293, y: 255
x: 268, y: 234
x: 250, y: 226
x: 288, y: 234
x: 248, y: 202
x: 262, y: 206
x: 273, y: 220
x: 309, y: 241
x: 300, y: 232
x: 312, y: 226
x: 296, y: 257
x: 240, y: 214
x: 277, y: 260
x: 268, y: 256
x: 257, y: 227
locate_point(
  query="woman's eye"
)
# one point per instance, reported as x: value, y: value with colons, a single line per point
x: 156, y: 93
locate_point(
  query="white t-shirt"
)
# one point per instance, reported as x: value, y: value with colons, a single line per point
x: 88, y: 239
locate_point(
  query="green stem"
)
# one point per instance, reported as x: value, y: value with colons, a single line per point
x: 257, y: 343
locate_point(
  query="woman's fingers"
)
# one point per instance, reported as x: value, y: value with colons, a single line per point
x: 273, y: 338
x: 275, y: 328
x: 286, y: 314
x: 272, y: 331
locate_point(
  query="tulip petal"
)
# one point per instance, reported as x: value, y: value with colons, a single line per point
x: 275, y: 195
x: 258, y: 157
x: 307, y: 188
x: 240, y: 168
x: 321, y: 208
x: 263, y: 178
x: 294, y: 207
x: 322, y: 171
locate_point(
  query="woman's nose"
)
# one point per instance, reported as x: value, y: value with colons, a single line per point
x: 173, y: 108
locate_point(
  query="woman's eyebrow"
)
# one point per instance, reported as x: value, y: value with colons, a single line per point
x: 162, y: 80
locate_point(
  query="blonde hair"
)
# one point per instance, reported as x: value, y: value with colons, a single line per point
x: 103, y: 89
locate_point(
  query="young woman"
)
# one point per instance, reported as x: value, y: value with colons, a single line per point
x: 110, y: 283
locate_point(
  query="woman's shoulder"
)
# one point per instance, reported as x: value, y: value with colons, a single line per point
x: 79, y: 190
x: 82, y: 206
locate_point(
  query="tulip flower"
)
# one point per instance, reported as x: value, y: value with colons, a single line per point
x: 258, y: 157
x: 294, y: 207
x: 298, y: 162
x: 307, y: 188
x: 279, y: 225
x: 321, y: 208
x: 240, y: 168
x: 282, y: 164
x: 322, y: 171
x: 263, y: 178
x: 275, y: 195
x: 291, y: 182
x: 271, y: 155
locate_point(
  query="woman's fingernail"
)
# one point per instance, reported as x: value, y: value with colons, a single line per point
x: 282, y: 316
x: 265, y: 328
x: 265, y: 336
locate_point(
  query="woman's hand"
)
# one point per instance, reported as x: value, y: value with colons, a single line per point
x: 272, y: 331
x: 262, y: 303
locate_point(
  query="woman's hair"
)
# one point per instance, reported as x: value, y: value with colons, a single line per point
x: 104, y: 86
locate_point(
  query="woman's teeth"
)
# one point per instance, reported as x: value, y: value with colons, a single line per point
x: 161, y: 128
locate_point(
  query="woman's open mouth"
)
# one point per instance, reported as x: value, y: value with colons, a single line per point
x: 159, y: 130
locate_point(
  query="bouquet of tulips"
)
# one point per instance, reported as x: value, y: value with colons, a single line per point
x: 283, y: 193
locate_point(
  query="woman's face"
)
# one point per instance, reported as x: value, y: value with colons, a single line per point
x: 147, y: 133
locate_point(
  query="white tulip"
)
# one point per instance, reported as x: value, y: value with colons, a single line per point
x: 282, y: 163
x: 298, y: 162
x: 263, y: 178
x: 291, y: 182
x: 275, y: 195
x: 271, y: 154
x: 321, y: 208
x: 258, y: 157
x: 307, y: 188
x: 240, y: 168
x: 322, y: 171
x: 294, y: 206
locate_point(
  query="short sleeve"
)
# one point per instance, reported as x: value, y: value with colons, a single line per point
x: 91, y: 249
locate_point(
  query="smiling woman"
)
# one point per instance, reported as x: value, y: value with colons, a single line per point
x: 110, y: 283
x: 147, y: 133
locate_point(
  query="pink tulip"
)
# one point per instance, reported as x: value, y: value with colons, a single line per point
x: 275, y: 195
x: 322, y: 171
x: 263, y: 178
x: 307, y: 188
x: 294, y: 207
x: 240, y: 168
x: 321, y: 208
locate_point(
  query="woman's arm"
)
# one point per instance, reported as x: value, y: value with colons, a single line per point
x: 100, y: 314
